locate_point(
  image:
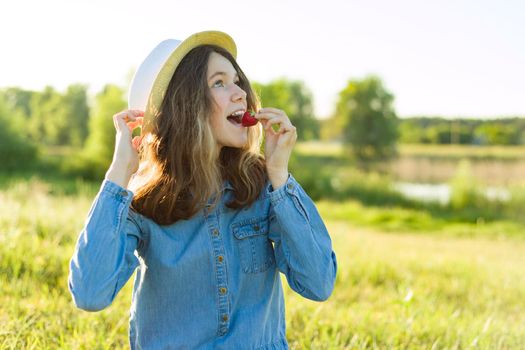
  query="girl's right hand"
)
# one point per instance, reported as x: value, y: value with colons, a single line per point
x: 126, y: 156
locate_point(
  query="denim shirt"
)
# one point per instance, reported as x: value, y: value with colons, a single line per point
x: 209, y: 282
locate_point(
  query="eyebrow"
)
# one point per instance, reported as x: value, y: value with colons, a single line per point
x: 222, y: 73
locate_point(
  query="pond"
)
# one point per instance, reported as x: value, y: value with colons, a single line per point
x: 441, y: 192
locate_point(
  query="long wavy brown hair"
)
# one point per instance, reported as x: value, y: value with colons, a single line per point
x: 181, y: 167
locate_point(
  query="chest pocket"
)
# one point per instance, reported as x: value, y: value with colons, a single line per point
x: 254, y: 246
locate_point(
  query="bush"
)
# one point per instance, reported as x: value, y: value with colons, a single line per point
x: 323, y: 178
x: 85, y: 166
x: 16, y: 151
x: 517, y: 202
x: 465, y: 191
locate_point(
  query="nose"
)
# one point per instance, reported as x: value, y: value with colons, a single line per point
x: 238, y: 94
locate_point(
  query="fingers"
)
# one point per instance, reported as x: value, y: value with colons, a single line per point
x: 136, y: 142
x: 137, y: 123
x: 129, y: 115
x: 273, y: 116
x: 269, y: 113
x: 272, y: 110
x: 282, y: 129
x: 284, y: 126
x: 128, y: 120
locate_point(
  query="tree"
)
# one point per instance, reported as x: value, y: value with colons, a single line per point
x: 47, y: 121
x: 19, y: 99
x: 294, y: 98
x: 18, y: 102
x: 16, y: 151
x: 52, y: 118
x: 369, y: 123
x: 410, y: 132
x: 77, y: 114
x: 497, y: 134
x: 100, y: 144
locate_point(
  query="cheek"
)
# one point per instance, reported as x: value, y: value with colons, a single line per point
x: 218, y: 128
x: 216, y: 120
x: 218, y: 98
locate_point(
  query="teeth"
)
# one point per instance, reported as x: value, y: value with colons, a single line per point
x: 237, y: 114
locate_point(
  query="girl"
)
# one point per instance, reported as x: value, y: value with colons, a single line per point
x: 207, y: 221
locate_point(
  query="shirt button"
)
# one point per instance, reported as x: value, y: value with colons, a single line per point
x: 215, y: 232
x: 290, y: 186
x: 225, y: 318
x: 123, y: 193
x: 256, y: 227
x: 220, y: 258
x: 223, y: 291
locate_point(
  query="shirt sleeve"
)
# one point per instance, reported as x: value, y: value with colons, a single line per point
x: 303, y: 248
x: 104, y: 257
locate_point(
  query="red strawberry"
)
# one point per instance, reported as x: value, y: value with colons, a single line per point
x: 248, y: 119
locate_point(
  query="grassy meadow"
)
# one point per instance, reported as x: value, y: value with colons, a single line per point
x: 410, y: 276
x: 425, y: 150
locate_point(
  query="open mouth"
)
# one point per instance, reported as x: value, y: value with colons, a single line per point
x: 235, y: 118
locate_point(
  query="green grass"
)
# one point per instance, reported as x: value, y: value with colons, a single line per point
x: 445, y: 290
x: 398, y: 291
x: 319, y: 148
x: 463, y: 152
x: 427, y: 221
x: 451, y: 152
x: 38, y: 229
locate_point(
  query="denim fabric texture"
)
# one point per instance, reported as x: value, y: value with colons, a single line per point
x: 209, y: 282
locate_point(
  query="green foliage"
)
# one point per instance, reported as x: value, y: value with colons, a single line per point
x: 326, y: 175
x: 516, y: 203
x: 410, y: 132
x: 16, y: 151
x: 451, y: 132
x: 296, y: 100
x: 19, y: 99
x: 77, y: 113
x: 368, y: 120
x: 465, y: 191
x: 496, y: 134
x: 48, y: 120
x: 504, y: 131
x: 52, y: 118
x: 330, y: 130
x: 93, y: 161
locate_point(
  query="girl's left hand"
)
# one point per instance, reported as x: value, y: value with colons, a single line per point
x: 279, y: 145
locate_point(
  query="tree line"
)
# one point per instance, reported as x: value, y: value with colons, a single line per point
x: 466, y: 131
x: 37, y: 120
x: 364, y: 121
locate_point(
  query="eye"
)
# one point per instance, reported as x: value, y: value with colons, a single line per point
x: 238, y: 83
x: 218, y: 83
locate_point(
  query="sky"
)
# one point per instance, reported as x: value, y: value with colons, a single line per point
x: 447, y: 58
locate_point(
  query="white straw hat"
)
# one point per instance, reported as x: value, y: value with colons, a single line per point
x: 151, y: 79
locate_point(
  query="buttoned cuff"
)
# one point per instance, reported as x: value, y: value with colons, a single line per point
x: 291, y: 186
x: 116, y: 191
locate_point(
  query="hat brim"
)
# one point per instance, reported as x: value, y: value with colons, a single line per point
x: 165, y: 74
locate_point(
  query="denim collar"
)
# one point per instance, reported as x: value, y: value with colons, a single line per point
x: 227, y: 185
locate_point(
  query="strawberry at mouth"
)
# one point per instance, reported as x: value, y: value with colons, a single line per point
x: 248, y: 119
x: 235, y: 119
